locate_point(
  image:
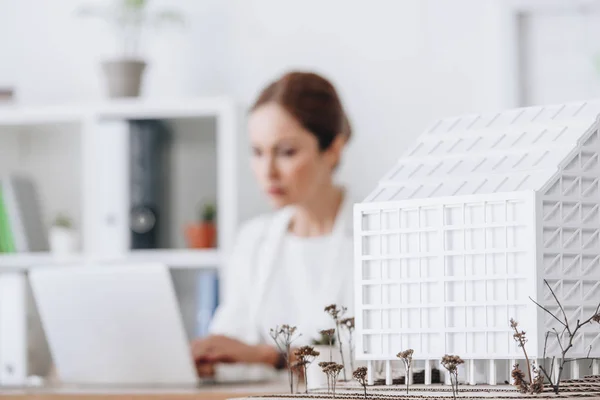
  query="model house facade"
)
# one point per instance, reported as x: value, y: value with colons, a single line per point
x: 463, y: 230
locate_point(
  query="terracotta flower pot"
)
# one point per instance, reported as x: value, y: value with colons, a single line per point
x: 201, y: 236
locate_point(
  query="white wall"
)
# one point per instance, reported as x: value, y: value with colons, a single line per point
x: 397, y: 63
x: 562, y: 61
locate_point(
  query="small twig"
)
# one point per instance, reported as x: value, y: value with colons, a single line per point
x: 593, y: 317
x: 559, y: 339
x: 549, y: 312
x: 581, y: 358
x: 559, y: 305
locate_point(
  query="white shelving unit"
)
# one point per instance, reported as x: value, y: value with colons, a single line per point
x: 176, y: 258
x: 103, y: 178
x: 78, y: 159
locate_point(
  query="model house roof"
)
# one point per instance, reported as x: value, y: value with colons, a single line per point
x: 512, y: 150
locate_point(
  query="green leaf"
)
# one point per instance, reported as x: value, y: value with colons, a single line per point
x: 134, y: 4
x: 208, y: 213
x: 63, y: 220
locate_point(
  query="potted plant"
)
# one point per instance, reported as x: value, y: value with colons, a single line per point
x: 325, y: 345
x: 62, y: 236
x: 203, y: 234
x: 128, y: 18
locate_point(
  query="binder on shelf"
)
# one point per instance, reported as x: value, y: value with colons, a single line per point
x: 13, y: 329
x: 6, y: 243
x: 24, y: 349
x: 208, y: 300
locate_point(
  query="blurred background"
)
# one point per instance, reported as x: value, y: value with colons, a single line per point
x: 398, y: 65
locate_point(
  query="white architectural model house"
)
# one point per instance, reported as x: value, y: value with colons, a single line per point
x: 463, y: 230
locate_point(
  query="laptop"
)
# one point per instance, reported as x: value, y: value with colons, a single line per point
x: 114, y: 324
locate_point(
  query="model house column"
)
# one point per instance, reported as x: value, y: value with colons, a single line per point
x: 575, y: 370
x: 388, y: 372
x: 491, y: 372
x: 471, y: 372
x: 428, y: 372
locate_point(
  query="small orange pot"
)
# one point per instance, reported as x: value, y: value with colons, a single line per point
x: 201, y: 236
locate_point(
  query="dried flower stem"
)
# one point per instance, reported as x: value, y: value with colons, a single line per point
x: 349, y: 324
x: 284, y: 337
x: 336, y: 313
x: 329, y: 334
x: 361, y: 376
x: 324, y: 366
x: 333, y: 370
x: 521, y: 340
x: 406, y: 357
x: 451, y: 363
x: 306, y: 355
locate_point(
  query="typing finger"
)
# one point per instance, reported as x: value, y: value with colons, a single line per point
x: 205, y: 370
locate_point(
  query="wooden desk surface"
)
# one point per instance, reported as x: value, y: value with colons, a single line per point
x: 122, y: 396
x: 209, y: 392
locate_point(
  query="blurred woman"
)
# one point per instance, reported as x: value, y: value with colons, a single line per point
x: 289, y: 264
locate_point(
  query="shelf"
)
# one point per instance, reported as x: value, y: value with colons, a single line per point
x: 138, y: 108
x: 12, y: 115
x: 162, y: 109
x: 188, y: 259
x: 32, y: 260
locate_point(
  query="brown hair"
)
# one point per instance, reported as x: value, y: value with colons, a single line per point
x: 313, y: 101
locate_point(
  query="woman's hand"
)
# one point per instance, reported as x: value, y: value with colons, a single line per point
x: 222, y: 349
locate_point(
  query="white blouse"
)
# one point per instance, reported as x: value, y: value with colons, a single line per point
x: 299, y: 293
x: 273, y: 278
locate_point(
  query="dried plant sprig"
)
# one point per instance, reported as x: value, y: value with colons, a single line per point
x: 451, y: 363
x: 537, y: 386
x: 348, y: 323
x: 521, y: 339
x: 305, y: 356
x: 336, y: 312
x: 519, y: 379
x: 360, y: 374
x: 324, y: 366
x: 333, y: 370
x: 406, y: 357
x: 284, y: 336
